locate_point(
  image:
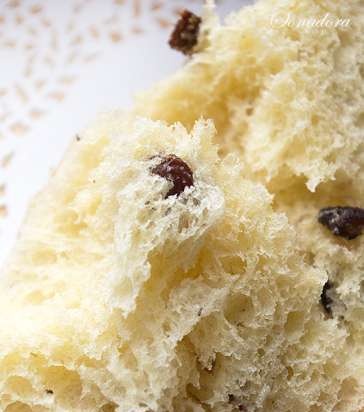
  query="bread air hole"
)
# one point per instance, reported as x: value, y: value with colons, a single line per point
x: 232, y: 264
x: 70, y: 224
x: 238, y: 308
x: 110, y: 407
x: 294, y: 324
x: 19, y: 407
x: 43, y: 256
x: 65, y: 384
x: 360, y: 121
x: 19, y: 386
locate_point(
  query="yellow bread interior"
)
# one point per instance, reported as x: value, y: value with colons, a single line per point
x: 288, y: 99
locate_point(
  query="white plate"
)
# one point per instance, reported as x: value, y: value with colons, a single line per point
x: 62, y: 62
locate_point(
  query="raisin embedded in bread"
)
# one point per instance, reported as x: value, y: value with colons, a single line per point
x: 184, y: 37
x: 346, y: 222
x: 175, y: 170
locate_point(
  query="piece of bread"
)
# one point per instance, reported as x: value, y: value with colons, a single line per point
x: 116, y: 295
x: 289, y: 99
x: 120, y: 297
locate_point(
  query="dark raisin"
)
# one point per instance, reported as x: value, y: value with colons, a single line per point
x: 185, y: 34
x: 231, y: 398
x: 346, y: 222
x: 49, y: 391
x: 78, y: 138
x: 176, y: 171
x: 326, y: 301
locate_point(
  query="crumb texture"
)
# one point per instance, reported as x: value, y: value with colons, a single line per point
x: 142, y: 283
x: 287, y: 97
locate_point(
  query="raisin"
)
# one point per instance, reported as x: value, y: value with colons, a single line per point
x: 185, y: 34
x: 233, y: 400
x: 326, y: 301
x: 346, y: 222
x: 49, y: 392
x: 176, y: 171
